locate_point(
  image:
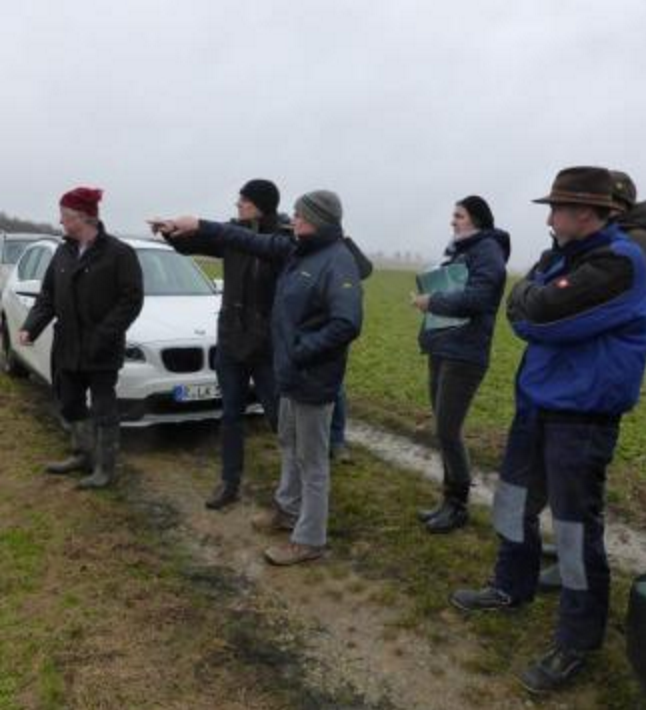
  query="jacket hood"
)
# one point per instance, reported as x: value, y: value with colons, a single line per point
x: 499, y: 235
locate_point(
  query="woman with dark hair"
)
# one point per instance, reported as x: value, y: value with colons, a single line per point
x: 458, y: 356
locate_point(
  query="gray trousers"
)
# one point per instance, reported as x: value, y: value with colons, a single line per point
x: 304, y: 488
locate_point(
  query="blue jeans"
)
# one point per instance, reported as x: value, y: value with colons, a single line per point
x: 234, y: 379
x: 558, y: 459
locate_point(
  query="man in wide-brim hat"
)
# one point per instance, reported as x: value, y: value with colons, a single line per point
x: 582, y: 311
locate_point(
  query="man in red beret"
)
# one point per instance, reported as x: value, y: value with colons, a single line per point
x: 94, y: 288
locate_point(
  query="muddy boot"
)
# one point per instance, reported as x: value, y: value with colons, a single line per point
x: 105, y: 456
x: 82, y: 435
x: 224, y: 495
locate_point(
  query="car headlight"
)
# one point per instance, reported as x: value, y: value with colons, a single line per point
x: 134, y: 353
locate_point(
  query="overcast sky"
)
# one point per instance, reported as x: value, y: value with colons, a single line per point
x: 401, y: 106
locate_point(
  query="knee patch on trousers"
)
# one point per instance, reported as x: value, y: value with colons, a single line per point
x: 509, y: 511
x: 569, y: 545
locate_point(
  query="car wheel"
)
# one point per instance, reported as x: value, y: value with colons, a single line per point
x: 10, y: 363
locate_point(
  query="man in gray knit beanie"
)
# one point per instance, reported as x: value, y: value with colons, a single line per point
x: 317, y: 312
x: 321, y: 208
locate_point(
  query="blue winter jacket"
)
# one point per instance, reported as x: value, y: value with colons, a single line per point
x: 317, y: 309
x: 485, y: 255
x: 582, y: 310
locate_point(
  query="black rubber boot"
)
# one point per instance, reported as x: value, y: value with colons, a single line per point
x: 223, y: 496
x: 105, y: 455
x: 82, y: 435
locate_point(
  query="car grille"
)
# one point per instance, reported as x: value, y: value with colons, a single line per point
x: 183, y: 359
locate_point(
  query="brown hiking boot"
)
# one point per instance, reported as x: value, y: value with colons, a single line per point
x: 275, y: 520
x: 292, y: 554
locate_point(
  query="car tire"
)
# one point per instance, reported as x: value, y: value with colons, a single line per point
x: 10, y: 363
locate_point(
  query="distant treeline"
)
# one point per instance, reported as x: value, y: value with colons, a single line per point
x: 15, y: 224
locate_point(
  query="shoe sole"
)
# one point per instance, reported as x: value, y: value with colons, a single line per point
x: 221, y: 506
x: 309, y: 558
x: 444, y: 531
x: 502, y: 609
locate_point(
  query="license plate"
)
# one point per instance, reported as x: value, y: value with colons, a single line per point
x: 193, y: 393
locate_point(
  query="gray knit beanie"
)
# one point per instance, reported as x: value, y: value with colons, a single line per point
x: 321, y: 208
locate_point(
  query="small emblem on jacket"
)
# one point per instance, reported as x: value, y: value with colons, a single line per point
x: 306, y: 274
x: 563, y: 283
x: 347, y: 284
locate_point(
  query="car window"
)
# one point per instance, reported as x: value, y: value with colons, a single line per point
x: 41, y: 267
x: 167, y: 273
x: 13, y: 251
x: 29, y: 266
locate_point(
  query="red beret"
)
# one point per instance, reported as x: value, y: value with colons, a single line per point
x: 83, y: 199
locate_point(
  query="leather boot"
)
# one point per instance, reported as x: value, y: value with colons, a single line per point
x: 224, y: 495
x: 451, y: 516
x: 82, y: 436
x: 105, y: 456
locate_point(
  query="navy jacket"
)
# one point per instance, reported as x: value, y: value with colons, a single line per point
x: 485, y: 255
x: 582, y: 311
x: 317, y: 308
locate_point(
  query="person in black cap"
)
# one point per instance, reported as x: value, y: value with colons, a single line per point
x: 458, y: 357
x: 244, y: 350
x: 582, y: 312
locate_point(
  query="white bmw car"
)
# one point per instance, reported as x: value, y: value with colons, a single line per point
x: 169, y: 373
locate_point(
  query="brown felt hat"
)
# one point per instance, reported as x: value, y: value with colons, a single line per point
x: 623, y: 189
x: 581, y: 186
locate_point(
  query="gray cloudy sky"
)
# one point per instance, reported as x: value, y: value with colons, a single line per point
x: 401, y: 106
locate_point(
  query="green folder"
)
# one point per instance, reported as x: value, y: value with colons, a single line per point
x: 442, y: 279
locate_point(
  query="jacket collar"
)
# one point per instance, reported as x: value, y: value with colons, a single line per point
x: 73, y: 245
x: 598, y: 239
x: 323, y: 237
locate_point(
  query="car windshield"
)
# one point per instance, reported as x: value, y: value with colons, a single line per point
x: 167, y: 273
x: 13, y: 249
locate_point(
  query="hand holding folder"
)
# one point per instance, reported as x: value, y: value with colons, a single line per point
x: 442, y: 279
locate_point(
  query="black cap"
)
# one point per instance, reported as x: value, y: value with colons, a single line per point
x: 263, y: 194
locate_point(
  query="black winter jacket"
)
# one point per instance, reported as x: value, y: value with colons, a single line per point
x: 94, y: 299
x: 317, y: 308
x: 244, y: 322
x: 485, y: 255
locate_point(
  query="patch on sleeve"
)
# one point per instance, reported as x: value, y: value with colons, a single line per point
x: 347, y: 284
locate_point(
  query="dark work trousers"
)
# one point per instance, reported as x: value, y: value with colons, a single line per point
x: 558, y: 459
x: 453, y: 385
x: 72, y: 388
x: 233, y: 378
x: 337, y: 427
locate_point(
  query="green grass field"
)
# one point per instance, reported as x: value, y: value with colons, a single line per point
x: 387, y: 385
x: 387, y: 382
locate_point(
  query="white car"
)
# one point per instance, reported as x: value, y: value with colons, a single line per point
x: 12, y: 246
x: 169, y: 373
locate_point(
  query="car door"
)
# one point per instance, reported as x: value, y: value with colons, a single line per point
x: 21, y: 293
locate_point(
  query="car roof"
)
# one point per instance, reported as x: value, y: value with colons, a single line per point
x: 137, y: 243
x: 26, y: 236
x: 146, y: 242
